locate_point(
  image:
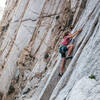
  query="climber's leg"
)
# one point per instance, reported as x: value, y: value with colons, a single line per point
x: 62, y: 51
x: 70, y: 48
x: 62, y: 66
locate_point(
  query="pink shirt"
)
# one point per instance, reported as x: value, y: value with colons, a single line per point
x: 65, y: 41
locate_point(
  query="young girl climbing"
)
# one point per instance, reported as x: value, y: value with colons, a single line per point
x: 66, y: 48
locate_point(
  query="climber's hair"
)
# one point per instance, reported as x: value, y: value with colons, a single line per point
x: 66, y: 33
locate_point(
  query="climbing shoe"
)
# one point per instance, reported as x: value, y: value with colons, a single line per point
x: 60, y: 74
x: 69, y: 57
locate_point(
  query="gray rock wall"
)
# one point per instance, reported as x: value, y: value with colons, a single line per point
x: 29, y: 58
x: 88, y: 62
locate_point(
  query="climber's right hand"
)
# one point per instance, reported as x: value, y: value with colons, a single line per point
x: 80, y: 30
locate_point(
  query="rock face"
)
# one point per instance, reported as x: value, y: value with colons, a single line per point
x: 86, y: 89
x: 30, y: 33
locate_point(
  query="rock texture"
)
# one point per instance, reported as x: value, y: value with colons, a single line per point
x: 30, y: 33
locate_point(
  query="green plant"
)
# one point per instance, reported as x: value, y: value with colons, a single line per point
x: 57, y: 17
x: 92, y: 76
x: 11, y: 89
x: 46, y: 56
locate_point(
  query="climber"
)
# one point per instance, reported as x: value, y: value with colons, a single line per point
x: 66, y: 47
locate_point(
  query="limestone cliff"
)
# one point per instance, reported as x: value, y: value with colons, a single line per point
x: 30, y: 33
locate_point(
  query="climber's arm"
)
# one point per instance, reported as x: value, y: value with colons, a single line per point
x: 75, y: 33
